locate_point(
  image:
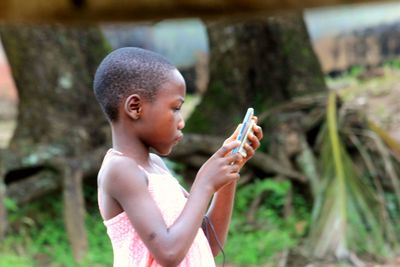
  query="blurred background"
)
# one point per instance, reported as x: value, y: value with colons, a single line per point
x: 323, y: 190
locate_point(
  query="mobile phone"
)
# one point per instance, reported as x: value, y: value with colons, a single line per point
x: 245, y: 129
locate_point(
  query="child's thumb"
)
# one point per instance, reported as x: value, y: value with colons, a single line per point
x: 227, y: 147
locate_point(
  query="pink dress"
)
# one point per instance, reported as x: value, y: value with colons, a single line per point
x: 128, y: 248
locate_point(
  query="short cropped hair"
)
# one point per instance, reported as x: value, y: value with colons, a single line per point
x: 127, y: 71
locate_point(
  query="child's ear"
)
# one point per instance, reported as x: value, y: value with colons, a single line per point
x: 133, y: 106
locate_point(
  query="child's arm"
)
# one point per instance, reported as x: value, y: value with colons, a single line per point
x: 220, y: 211
x: 169, y: 245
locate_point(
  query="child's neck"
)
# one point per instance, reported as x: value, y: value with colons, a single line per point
x: 131, y: 147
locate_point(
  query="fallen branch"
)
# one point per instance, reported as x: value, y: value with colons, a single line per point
x: 206, y: 145
x: 48, y: 179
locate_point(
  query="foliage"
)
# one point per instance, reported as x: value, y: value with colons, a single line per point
x: 393, y: 63
x: 356, y: 70
x: 7, y: 259
x: 347, y: 215
x: 38, y: 237
x: 252, y: 242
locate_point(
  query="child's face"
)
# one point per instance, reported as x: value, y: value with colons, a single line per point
x: 163, y: 117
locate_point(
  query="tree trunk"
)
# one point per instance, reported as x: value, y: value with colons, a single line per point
x: 266, y: 63
x: 58, y: 119
x: 259, y: 62
x: 53, y: 68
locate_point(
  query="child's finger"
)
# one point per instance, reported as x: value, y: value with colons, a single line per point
x: 227, y: 147
x: 233, y: 158
x: 250, y: 149
x: 234, y: 168
x: 253, y: 140
x: 234, y: 176
x: 258, y: 131
x: 255, y: 119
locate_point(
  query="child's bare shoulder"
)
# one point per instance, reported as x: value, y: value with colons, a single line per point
x: 120, y: 172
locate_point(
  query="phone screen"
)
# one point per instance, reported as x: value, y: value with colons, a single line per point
x: 244, y: 131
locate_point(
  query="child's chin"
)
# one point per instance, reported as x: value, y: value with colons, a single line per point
x: 163, y: 152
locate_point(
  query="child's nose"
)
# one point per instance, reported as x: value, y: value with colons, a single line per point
x: 181, y: 123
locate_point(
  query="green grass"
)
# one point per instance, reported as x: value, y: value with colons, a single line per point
x: 393, y: 63
x: 37, y: 237
x: 10, y: 259
x: 257, y: 242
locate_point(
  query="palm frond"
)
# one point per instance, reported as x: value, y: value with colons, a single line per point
x: 346, y: 215
x: 381, y: 138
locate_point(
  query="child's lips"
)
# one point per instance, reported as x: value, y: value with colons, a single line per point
x: 178, y: 138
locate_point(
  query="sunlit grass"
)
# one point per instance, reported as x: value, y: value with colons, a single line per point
x: 349, y: 87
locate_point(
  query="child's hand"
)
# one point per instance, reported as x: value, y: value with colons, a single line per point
x: 222, y: 168
x: 254, y: 139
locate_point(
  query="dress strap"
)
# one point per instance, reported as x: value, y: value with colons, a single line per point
x: 112, y: 150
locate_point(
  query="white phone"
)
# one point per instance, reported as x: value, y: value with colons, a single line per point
x: 245, y: 129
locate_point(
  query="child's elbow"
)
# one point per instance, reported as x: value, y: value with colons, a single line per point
x: 169, y: 263
x: 170, y: 258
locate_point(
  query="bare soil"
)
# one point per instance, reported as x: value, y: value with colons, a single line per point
x: 377, y: 97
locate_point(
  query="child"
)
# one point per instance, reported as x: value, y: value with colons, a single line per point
x: 150, y: 219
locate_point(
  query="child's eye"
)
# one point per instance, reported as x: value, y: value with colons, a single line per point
x: 178, y: 108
